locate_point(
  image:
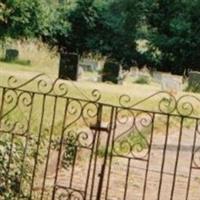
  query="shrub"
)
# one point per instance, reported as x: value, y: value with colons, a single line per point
x: 143, y: 80
x: 13, y: 169
x: 16, y: 165
x: 69, y: 151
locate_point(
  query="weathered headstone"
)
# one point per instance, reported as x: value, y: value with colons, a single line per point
x: 171, y: 84
x: 194, y: 81
x: 134, y: 71
x: 80, y: 72
x: 99, y: 78
x: 68, y: 68
x: 111, y: 71
x: 157, y: 77
x: 11, y: 55
x: 88, y: 64
x: 145, y: 70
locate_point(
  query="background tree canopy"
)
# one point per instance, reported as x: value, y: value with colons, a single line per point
x: 22, y: 18
x: 174, y: 34
x: 71, y: 23
x: 111, y: 28
x: 117, y: 26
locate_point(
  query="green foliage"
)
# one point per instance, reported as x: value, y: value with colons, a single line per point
x: 11, y: 170
x: 105, y: 27
x: 111, y: 28
x: 135, y: 141
x: 101, y: 151
x: 116, y: 30
x: 70, y: 26
x: 69, y: 151
x: 174, y: 34
x: 17, y: 158
x: 143, y: 80
x: 21, y: 18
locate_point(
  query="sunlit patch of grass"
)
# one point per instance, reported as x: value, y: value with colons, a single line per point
x: 42, y: 58
x: 135, y: 141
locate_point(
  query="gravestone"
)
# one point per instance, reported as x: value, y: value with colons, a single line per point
x: 145, y: 70
x: 157, y: 77
x: 171, y: 84
x: 88, y: 64
x: 68, y: 68
x: 134, y: 71
x: 194, y: 81
x: 110, y: 71
x: 11, y: 55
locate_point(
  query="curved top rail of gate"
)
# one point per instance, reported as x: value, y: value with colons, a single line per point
x: 186, y: 105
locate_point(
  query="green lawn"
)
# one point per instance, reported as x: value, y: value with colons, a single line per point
x: 110, y: 93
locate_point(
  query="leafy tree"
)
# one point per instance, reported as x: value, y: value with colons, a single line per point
x: 100, y: 26
x: 174, y: 34
x: 117, y: 29
x: 21, y: 18
x: 70, y: 26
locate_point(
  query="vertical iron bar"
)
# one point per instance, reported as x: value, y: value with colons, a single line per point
x: 177, y: 159
x: 163, y: 157
x: 149, y: 157
x: 38, y: 145
x: 90, y: 162
x: 99, y: 116
x: 2, y: 104
x: 49, y: 147
x: 192, y: 158
x: 60, y: 149
x: 112, y: 148
x: 9, y: 159
x: 26, y: 143
x: 10, y: 153
x: 73, y: 167
x: 127, y: 177
x: 100, y: 186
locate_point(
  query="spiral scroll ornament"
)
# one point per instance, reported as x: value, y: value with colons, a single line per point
x: 15, y: 102
x: 69, y: 194
x: 133, y: 141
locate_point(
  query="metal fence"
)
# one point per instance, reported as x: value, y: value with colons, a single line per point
x: 55, y: 146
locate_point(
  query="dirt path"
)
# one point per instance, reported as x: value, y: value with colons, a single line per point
x: 166, y: 176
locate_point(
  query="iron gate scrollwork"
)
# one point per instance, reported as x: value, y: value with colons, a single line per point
x: 57, y: 146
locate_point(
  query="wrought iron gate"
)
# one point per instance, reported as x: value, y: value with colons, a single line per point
x: 55, y: 146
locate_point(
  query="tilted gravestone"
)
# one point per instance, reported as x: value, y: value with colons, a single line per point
x: 110, y: 71
x: 194, y: 81
x: 11, y: 55
x: 68, y: 68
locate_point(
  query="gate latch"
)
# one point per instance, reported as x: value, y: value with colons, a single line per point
x: 98, y: 128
